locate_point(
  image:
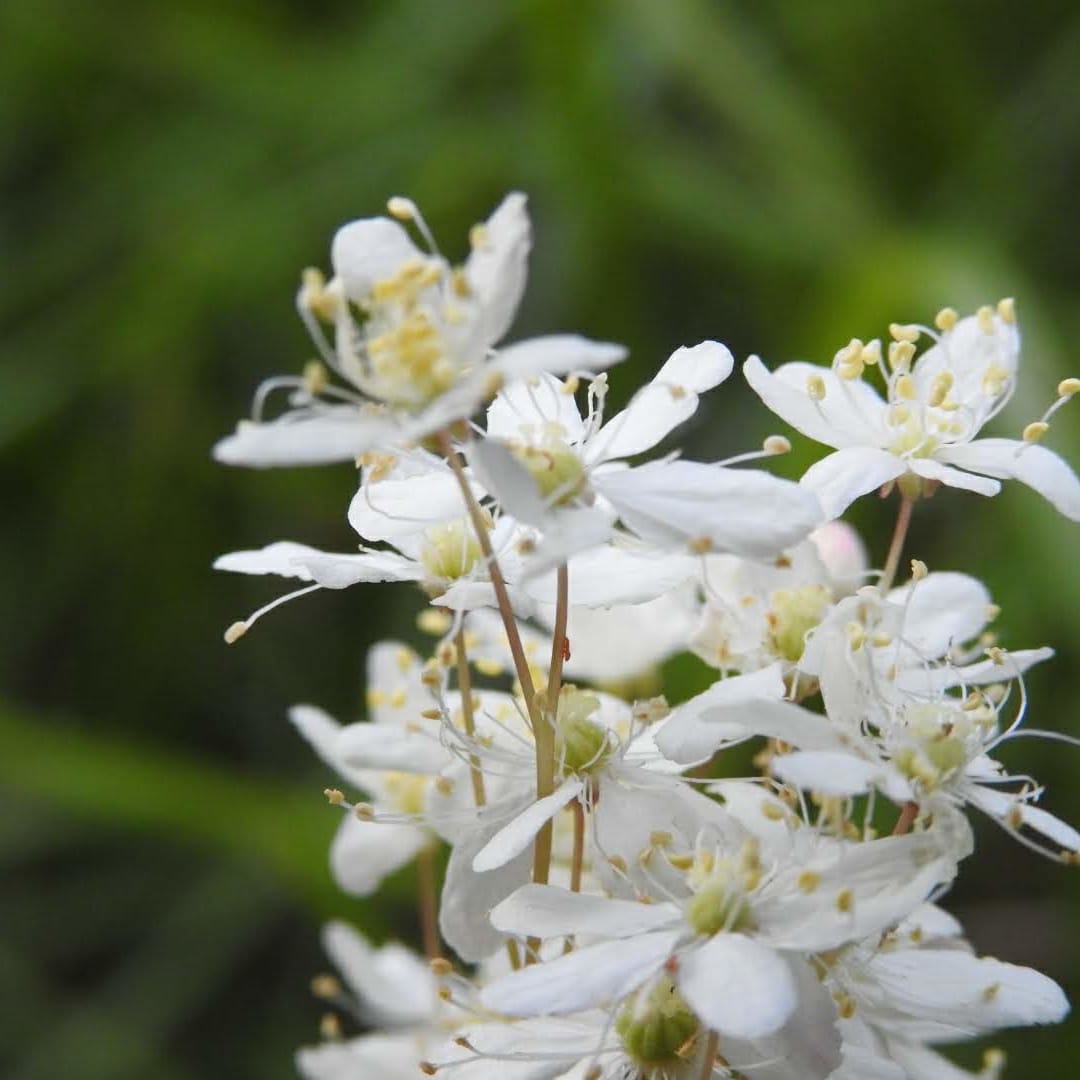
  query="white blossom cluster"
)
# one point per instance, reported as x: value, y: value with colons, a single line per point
x: 610, y: 907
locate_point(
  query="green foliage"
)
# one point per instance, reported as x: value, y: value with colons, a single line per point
x: 780, y: 175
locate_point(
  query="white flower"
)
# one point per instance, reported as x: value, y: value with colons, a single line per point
x: 725, y: 942
x: 928, y: 423
x: 413, y: 339
x: 565, y: 476
x: 389, y: 987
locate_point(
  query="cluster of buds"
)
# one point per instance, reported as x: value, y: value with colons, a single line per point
x: 613, y: 902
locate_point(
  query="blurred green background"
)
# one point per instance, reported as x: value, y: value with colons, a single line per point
x: 781, y: 175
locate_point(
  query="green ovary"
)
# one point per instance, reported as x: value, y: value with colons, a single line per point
x: 556, y: 469
x: 654, y: 1025
x: 581, y: 743
x: 793, y: 613
x: 450, y: 551
x: 720, y: 904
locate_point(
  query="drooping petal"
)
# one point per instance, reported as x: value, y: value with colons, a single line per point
x: 839, y: 479
x: 544, y: 911
x: 674, y: 503
x: 518, y: 833
x: 334, y: 571
x: 277, y: 558
x: 1009, y: 459
x: 850, y: 414
x: 363, y: 853
x: 497, y: 267
x: 342, y: 433
x: 581, y: 979
x: 370, y: 250
x: 832, y: 772
x: 930, y: 469
x: 661, y: 405
x: 737, y: 986
x: 1014, y: 812
x: 395, y: 508
x: 559, y: 354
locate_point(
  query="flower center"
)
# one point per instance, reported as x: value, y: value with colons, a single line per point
x: 450, y: 551
x: 655, y: 1025
x: 720, y: 903
x: 580, y: 743
x: 554, y: 466
x: 407, y: 792
x: 792, y: 614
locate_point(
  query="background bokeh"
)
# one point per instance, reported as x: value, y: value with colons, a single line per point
x: 780, y: 175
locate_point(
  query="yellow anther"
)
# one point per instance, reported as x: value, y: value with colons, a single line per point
x: 992, y: 612
x: 235, y: 632
x: 871, y: 353
x: 479, y: 237
x: 991, y: 992
x: 993, y: 1060
x: 432, y: 621
x: 777, y: 444
x: 815, y: 387
x: 918, y: 570
x: 677, y: 392
x: 700, y: 545
x: 899, y: 415
x: 440, y: 966
x: 316, y: 378
x: 617, y: 862
x: 444, y: 993
x: 334, y: 797
x: 998, y: 655
x: 940, y: 387
x: 325, y: 986
x: 985, y: 318
x: 401, y: 208
x: 904, y: 332
x: 905, y: 387
x: 444, y: 785
x: 398, y: 698
x: 845, y: 900
x: 364, y: 811
x: 330, y: 1027
x: 901, y: 353
x: 856, y: 635
x: 1006, y: 309
x: 431, y: 714
x: 772, y: 811
x: 1068, y: 387
x: 1035, y: 431
x: 845, y: 1004
x: 946, y: 319
x: 881, y: 639
x: 489, y: 667
x: 1015, y: 817
x: 808, y: 881
x: 660, y: 838
x: 680, y: 860
x: 428, y: 1069
x: 445, y: 655
x: 571, y: 385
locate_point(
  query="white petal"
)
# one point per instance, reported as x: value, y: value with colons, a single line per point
x: 334, y: 571
x: 496, y: 269
x: 321, y: 731
x: 322, y: 438
x: 544, y: 911
x: 832, y: 772
x: 663, y: 404
x: 737, y: 986
x: 394, y: 508
x: 559, y: 354
x: 839, y: 479
x: 957, y: 478
x: 533, y: 404
x: 961, y: 995
x: 1001, y: 804
x: 370, y: 250
x: 584, y: 978
x: 942, y: 610
x: 363, y: 853
x: 1039, y: 468
x: 744, y: 512
x: 468, y: 897
x: 930, y: 681
x: 615, y: 574
x: 520, y: 832
x: 509, y: 481
x: 851, y: 413
x: 390, y: 747
x: 277, y: 558
x: 391, y: 1057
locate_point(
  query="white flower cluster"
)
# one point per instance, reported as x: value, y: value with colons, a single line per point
x: 614, y: 909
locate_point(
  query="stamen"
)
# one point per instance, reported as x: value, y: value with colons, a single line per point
x: 239, y: 629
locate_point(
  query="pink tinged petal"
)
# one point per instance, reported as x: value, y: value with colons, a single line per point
x: 468, y: 897
x: 832, y: 772
x: 559, y: 354
x: 519, y: 833
x: 340, y: 434
x: 533, y: 404
x: 677, y: 503
x: 544, y: 911
x: 370, y: 250
x: 942, y: 610
x: 737, y: 986
x: 391, y: 747
x: 851, y: 413
x: 1008, y: 459
x: 581, y: 979
x: 363, y: 853
x: 930, y: 469
x: 839, y: 479
x: 960, y: 995
x: 497, y: 268
x: 660, y: 406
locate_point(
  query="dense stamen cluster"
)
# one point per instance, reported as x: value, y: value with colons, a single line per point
x: 626, y: 912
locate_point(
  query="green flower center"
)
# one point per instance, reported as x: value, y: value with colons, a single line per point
x: 557, y: 470
x: 720, y: 904
x: 656, y: 1024
x: 580, y: 743
x: 793, y: 613
x: 450, y: 551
